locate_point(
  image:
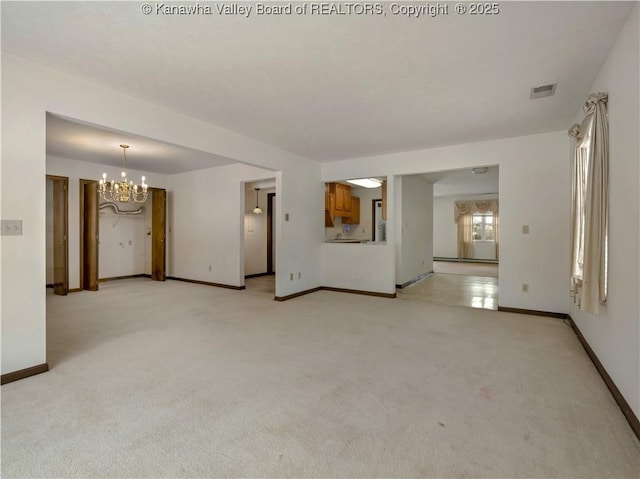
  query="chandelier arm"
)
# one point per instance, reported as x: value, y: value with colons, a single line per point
x: 124, y: 191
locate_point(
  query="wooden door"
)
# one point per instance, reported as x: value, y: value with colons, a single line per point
x: 60, y: 234
x: 158, y: 234
x: 270, y: 233
x: 89, y: 235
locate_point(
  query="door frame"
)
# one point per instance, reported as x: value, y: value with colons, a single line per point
x: 161, y: 273
x: 373, y: 218
x: 270, y: 238
x: 65, y: 181
x: 83, y: 212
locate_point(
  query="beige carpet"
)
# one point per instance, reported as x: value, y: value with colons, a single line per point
x: 180, y: 380
x: 468, y: 269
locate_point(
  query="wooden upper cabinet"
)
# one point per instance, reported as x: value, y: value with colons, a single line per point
x: 329, y: 207
x: 384, y: 200
x: 342, y: 195
x: 354, y: 218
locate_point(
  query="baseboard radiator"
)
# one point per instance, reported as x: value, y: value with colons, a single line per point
x: 465, y: 260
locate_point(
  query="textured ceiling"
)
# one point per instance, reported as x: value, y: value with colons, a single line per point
x: 333, y: 87
x: 464, y: 182
x: 83, y: 142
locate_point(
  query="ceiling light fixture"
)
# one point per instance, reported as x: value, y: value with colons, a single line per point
x: 257, y: 210
x: 366, y: 182
x: 481, y: 170
x: 123, y: 191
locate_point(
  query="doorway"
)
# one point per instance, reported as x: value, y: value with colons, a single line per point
x: 58, y: 233
x: 464, y: 234
x: 259, y: 236
x: 90, y: 236
x: 379, y: 230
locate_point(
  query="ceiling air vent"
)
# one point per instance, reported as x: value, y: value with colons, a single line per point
x: 542, y: 91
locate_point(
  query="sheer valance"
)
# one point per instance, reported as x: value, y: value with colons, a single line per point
x: 476, y: 206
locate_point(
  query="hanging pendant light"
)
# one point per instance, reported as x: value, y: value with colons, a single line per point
x: 257, y: 210
x: 123, y: 191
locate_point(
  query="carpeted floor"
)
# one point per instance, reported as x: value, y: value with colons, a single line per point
x: 174, y: 379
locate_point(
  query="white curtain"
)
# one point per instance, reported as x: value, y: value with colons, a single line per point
x: 590, y: 206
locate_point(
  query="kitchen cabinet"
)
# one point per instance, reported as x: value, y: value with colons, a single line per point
x: 329, y: 208
x: 384, y: 200
x: 342, y: 195
x: 354, y: 218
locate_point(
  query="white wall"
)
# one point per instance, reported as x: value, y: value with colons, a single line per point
x: 123, y: 241
x: 360, y: 266
x: 445, y: 230
x: 114, y: 260
x: 534, y: 175
x: 208, y: 221
x: 29, y: 91
x: 255, y: 231
x: 614, y: 335
x: 414, y: 229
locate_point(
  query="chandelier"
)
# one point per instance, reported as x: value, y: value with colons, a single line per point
x: 123, y: 191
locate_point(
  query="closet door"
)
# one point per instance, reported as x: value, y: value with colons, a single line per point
x: 158, y: 234
x: 89, y: 233
x: 60, y: 233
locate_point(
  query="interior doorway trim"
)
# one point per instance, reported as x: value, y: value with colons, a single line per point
x: 270, y: 210
x: 89, y: 234
x: 373, y: 218
x: 60, y: 233
x: 158, y: 234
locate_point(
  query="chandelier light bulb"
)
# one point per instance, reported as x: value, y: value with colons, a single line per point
x: 124, y: 191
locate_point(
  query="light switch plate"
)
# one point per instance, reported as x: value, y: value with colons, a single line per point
x: 11, y: 227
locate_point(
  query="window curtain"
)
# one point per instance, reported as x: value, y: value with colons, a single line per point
x: 496, y: 230
x: 465, y: 236
x: 590, y: 206
x: 463, y: 216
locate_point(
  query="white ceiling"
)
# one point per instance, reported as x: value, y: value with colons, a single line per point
x: 463, y: 182
x: 334, y: 87
x: 84, y: 142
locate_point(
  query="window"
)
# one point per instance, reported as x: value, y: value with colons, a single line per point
x: 483, y: 227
